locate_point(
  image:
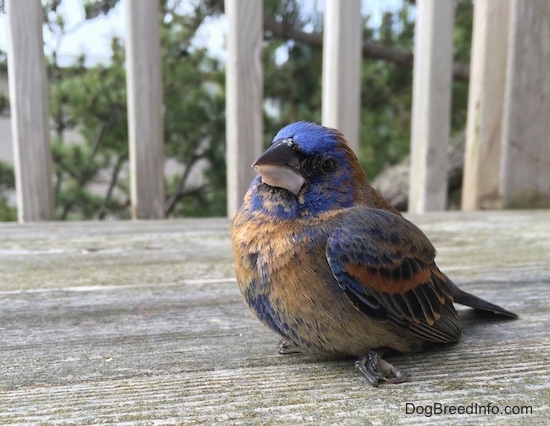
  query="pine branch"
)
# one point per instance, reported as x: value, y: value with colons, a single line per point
x: 179, y: 193
x: 112, y: 185
x: 461, y: 71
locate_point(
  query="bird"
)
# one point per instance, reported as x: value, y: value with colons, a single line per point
x: 323, y: 260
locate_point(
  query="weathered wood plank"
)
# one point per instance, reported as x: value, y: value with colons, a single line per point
x: 481, y: 182
x: 29, y: 111
x: 143, y: 323
x: 431, y: 111
x: 244, y: 96
x: 508, y: 152
x: 145, y: 122
x: 342, y: 44
x: 525, y: 175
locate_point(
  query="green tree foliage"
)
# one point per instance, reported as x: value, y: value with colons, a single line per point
x: 386, y: 96
x: 7, y: 185
x: 92, y: 100
x: 292, y: 70
x: 194, y: 119
x: 91, y: 178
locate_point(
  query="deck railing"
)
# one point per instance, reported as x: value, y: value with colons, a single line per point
x: 507, y: 160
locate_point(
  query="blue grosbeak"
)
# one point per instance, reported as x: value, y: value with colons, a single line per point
x: 325, y: 261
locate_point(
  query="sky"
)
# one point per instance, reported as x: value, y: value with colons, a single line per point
x: 94, y: 37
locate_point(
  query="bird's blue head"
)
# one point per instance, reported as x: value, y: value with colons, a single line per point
x: 308, y: 170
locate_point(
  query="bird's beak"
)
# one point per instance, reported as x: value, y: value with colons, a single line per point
x: 278, y: 166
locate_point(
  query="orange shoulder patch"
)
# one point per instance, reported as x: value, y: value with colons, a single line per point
x: 387, y: 285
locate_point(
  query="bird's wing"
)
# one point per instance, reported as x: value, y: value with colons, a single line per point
x: 385, y: 265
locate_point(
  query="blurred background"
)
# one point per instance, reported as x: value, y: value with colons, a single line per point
x: 87, y: 96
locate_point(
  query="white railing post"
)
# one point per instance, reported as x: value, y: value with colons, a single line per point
x: 29, y: 111
x: 342, y: 58
x: 145, y: 122
x: 244, y: 96
x: 431, y: 111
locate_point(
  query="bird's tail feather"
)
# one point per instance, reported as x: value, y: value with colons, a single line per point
x: 475, y: 302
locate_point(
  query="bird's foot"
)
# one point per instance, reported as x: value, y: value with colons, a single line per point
x: 374, y: 368
x: 287, y: 347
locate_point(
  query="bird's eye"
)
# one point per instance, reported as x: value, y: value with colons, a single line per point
x: 328, y: 166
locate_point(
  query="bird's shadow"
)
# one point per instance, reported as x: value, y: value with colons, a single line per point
x: 473, y: 318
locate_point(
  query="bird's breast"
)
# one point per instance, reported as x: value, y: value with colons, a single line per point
x: 264, y: 249
x: 285, y: 279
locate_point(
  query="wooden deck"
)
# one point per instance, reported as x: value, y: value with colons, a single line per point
x: 142, y: 323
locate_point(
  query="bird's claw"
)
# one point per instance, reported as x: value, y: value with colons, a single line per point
x: 374, y: 368
x: 287, y: 347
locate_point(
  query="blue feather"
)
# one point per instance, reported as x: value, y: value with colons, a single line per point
x: 310, y: 137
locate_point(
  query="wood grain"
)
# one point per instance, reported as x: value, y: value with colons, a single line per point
x: 244, y: 96
x: 486, y: 105
x: 525, y: 175
x: 29, y: 111
x: 142, y: 322
x: 431, y: 110
x: 507, y: 160
x: 145, y: 121
x: 342, y: 43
